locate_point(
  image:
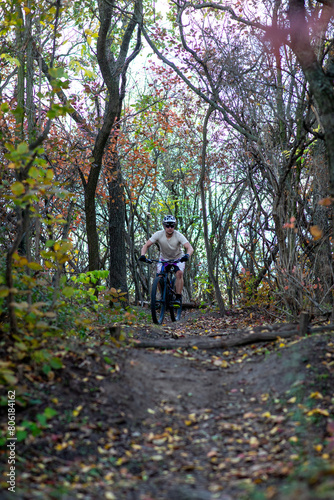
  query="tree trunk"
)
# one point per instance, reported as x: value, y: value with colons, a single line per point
x: 208, y: 248
x: 116, y: 204
x: 114, y: 75
x: 321, y: 85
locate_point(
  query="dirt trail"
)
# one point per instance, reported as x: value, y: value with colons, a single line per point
x: 187, y: 425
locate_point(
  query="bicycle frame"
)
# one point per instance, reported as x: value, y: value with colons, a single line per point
x: 165, y: 280
x: 167, y: 276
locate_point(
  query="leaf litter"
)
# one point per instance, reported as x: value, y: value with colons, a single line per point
x: 180, y: 423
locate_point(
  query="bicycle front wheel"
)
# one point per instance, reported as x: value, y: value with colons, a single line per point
x: 158, y: 304
x: 175, y: 311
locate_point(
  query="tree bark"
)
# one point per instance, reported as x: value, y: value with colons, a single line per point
x: 116, y: 205
x: 208, y: 248
x: 114, y: 74
x: 321, y: 84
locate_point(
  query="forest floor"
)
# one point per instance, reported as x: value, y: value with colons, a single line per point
x: 120, y: 422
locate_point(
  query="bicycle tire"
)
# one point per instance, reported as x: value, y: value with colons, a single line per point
x: 175, y: 312
x: 158, y: 305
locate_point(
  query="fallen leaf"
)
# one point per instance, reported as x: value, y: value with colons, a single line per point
x: 316, y: 232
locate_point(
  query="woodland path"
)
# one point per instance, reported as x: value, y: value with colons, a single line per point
x: 186, y: 423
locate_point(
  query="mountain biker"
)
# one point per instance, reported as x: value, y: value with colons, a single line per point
x: 170, y: 244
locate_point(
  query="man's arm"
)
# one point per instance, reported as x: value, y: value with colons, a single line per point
x: 189, y: 248
x: 146, y: 247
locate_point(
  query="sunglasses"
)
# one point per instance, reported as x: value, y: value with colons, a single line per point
x: 169, y: 224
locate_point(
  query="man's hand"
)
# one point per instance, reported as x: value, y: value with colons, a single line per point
x: 185, y: 258
x: 142, y: 258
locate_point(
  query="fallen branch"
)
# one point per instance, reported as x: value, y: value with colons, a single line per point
x: 253, y: 338
x: 258, y: 329
x: 207, y: 343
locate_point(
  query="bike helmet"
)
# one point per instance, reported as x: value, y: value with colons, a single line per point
x: 169, y: 218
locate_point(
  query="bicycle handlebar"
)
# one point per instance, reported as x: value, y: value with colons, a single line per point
x: 172, y: 261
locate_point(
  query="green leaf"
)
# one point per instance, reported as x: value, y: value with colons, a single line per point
x: 34, y: 266
x: 57, y: 72
x: 10, y: 59
x: 49, y: 174
x: 41, y: 419
x: 9, y: 378
x: 23, y: 148
x: 50, y: 412
x: 5, y: 107
x: 68, y: 291
x: 46, y: 369
x: 17, y: 188
x: 52, y: 113
x: 21, y: 435
x: 56, y: 363
x: 18, y: 112
x: 34, y: 172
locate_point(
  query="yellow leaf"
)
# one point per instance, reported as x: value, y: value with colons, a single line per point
x: 274, y: 430
x: 249, y: 415
x: 61, y: 446
x: 316, y: 232
x: 326, y: 202
x: 318, y: 411
x: 254, y: 442
x: 17, y: 188
x: 76, y: 412
x: 136, y: 446
x: 212, y: 453
x: 316, y: 395
x: 292, y: 400
x: 266, y: 414
x: 109, y: 495
x: 160, y: 441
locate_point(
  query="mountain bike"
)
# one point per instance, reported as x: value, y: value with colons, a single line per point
x: 163, y: 293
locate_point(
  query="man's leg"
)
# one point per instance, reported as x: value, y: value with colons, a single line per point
x: 179, y: 282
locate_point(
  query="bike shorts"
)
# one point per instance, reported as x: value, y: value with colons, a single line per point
x: 179, y: 265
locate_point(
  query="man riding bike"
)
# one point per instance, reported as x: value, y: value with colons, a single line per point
x: 170, y: 244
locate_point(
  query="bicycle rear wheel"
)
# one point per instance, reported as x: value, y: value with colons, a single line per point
x: 175, y: 312
x: 158, y: 304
